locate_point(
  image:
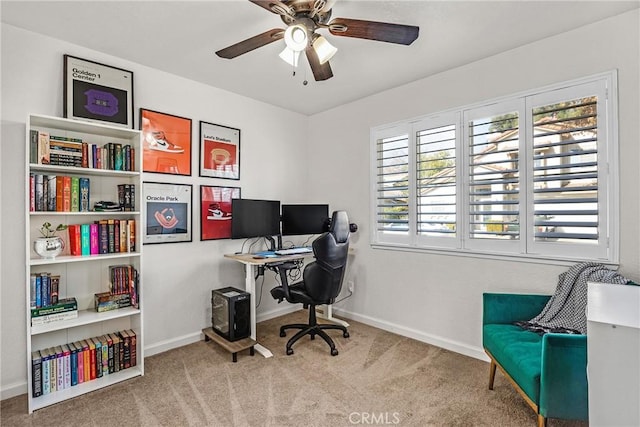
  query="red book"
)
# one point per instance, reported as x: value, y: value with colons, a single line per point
x: 75, y: 239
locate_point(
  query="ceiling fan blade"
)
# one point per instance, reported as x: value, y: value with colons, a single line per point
x: 274, y: 6
x: 320, y: 71
x: 251, y: 43
x: 371, y: 30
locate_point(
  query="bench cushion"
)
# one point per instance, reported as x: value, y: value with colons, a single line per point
x: 519, y: 352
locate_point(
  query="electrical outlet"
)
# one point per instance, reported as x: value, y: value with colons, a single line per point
x: 350, y: 285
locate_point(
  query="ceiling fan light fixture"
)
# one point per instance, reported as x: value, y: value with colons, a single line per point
x: 324, y: 49
x: 290, y: 56
x: 296, y: 37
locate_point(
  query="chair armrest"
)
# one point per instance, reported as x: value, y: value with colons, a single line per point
x: 509, y: 308
x: 282, y: 268
x: 563, y: 380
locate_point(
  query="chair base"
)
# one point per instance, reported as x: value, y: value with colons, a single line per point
x: 312, y: 329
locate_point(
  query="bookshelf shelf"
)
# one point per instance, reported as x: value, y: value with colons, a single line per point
x: 85, y: 317
x: 82, y: 276
x: 80, y: 389
x: 65, y: 259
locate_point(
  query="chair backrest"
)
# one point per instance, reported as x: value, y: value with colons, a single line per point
x: 323, y: 278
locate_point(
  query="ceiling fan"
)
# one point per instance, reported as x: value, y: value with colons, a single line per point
x: 303, y: 18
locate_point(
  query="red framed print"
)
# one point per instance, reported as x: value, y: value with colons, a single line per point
x: 215, y: 211
x: 166, y: 146
x: 219, y: 151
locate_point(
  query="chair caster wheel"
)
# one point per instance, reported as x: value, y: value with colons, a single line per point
x: 282, y: 334
x: 346, y: 334
x: 289, y: 352
x: 334, y: 351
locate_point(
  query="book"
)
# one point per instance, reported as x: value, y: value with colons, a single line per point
x: 92, y: 359
x: 32, y: 192
x: 133, y: 346
x: 59, y: 368
x: 44, y: 154
x: 46, y: 374
x: 39, y: 192
x: 51, y: 318
x: 55, y: 284
x: 85, y: 155
x: 116, y: 352
x: 131, y: 235
x: 116, y: 235
x: 103, y: 231
x: 86, y: 360
x: 111, y: 232
x: 75, y: 194
x: 32, y: 288
x: 126, y: 340
x: 38, y: 291
x: 98, y: 345
x: 73, y: 359
x: 53, y: 370
x: 36, y: 374
x: 105, y: 354
x: 107, y: 301
x: 66, y: 357
x: 124, y: 242
x: 85, y: 239
x: 94, y: 244
x: 110, y: 364
x: 33, y: 146
x: 117, y: 155
x: 66, y: 194
x: 80, y: 361
x: 51, y: 193
x: 59, y: 193
x: 46, y: 289
x: 63, y: 304
x: 84, y: 184
x: 75, y: 239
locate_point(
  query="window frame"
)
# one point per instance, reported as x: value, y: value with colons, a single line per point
x: 525, y: 248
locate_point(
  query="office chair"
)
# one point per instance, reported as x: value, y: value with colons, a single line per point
x: 321, y: 281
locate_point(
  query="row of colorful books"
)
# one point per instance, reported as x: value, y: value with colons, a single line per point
x: 44, y: 289
x: 47, y: 149
x: 105, y: 236
x: 58, y: 193
x: 65, y: 366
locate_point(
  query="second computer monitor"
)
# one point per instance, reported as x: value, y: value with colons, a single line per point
x: 304, y: 219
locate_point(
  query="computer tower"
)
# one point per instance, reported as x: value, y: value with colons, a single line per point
x: 231, y: 313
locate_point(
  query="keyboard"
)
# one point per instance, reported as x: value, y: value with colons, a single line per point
x: 294, y: 251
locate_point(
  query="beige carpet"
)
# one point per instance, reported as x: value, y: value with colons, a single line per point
x: 378, y: 378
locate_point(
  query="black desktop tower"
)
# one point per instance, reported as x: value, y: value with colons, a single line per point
x: 231, y: 313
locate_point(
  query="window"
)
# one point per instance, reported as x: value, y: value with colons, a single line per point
x: 531, y: 175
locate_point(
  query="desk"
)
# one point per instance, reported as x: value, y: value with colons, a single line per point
x: 250, y: 264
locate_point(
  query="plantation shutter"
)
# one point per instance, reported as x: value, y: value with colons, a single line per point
x: 437, y: 179
x: 392, y: 187
x: 570, y: 158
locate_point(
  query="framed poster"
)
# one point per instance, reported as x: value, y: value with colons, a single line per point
x: 97, y: 93
x: 166, y: 146
x: 168, y: 212
x: 215, y: 211
x: 219, y: 151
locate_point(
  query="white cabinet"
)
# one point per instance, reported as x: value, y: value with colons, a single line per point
x: 613, y: 354
x: 83, y: 276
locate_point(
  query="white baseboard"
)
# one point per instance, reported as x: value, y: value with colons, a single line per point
x: 280, y: 311
x: 455, y: 346
x: 162, y: 346
x: 13, y: 390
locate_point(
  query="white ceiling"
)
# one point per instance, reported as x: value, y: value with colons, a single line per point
x: 181, y: 37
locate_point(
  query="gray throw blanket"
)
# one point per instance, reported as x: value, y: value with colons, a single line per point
x: 566, y: 310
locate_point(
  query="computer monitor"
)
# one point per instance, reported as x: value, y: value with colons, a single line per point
x: 304, y: 219
x: 255, y: 218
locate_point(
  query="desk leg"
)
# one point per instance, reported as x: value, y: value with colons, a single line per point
x: 326, y: 312
x: 250, y: 286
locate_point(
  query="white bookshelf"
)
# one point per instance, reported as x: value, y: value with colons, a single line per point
x: 83, y: 276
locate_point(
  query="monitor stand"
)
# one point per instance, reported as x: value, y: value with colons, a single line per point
x: 272, y: 242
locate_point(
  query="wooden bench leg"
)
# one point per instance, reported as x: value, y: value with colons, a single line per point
x: 492, y: 374
x: 542, y: 421
x: 234, y: 357
x: 251, y: 351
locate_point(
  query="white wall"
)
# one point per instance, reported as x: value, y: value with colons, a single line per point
x: 178, y: 277
x: 437, y: 298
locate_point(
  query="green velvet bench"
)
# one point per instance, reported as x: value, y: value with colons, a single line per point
x: 549, y: 371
